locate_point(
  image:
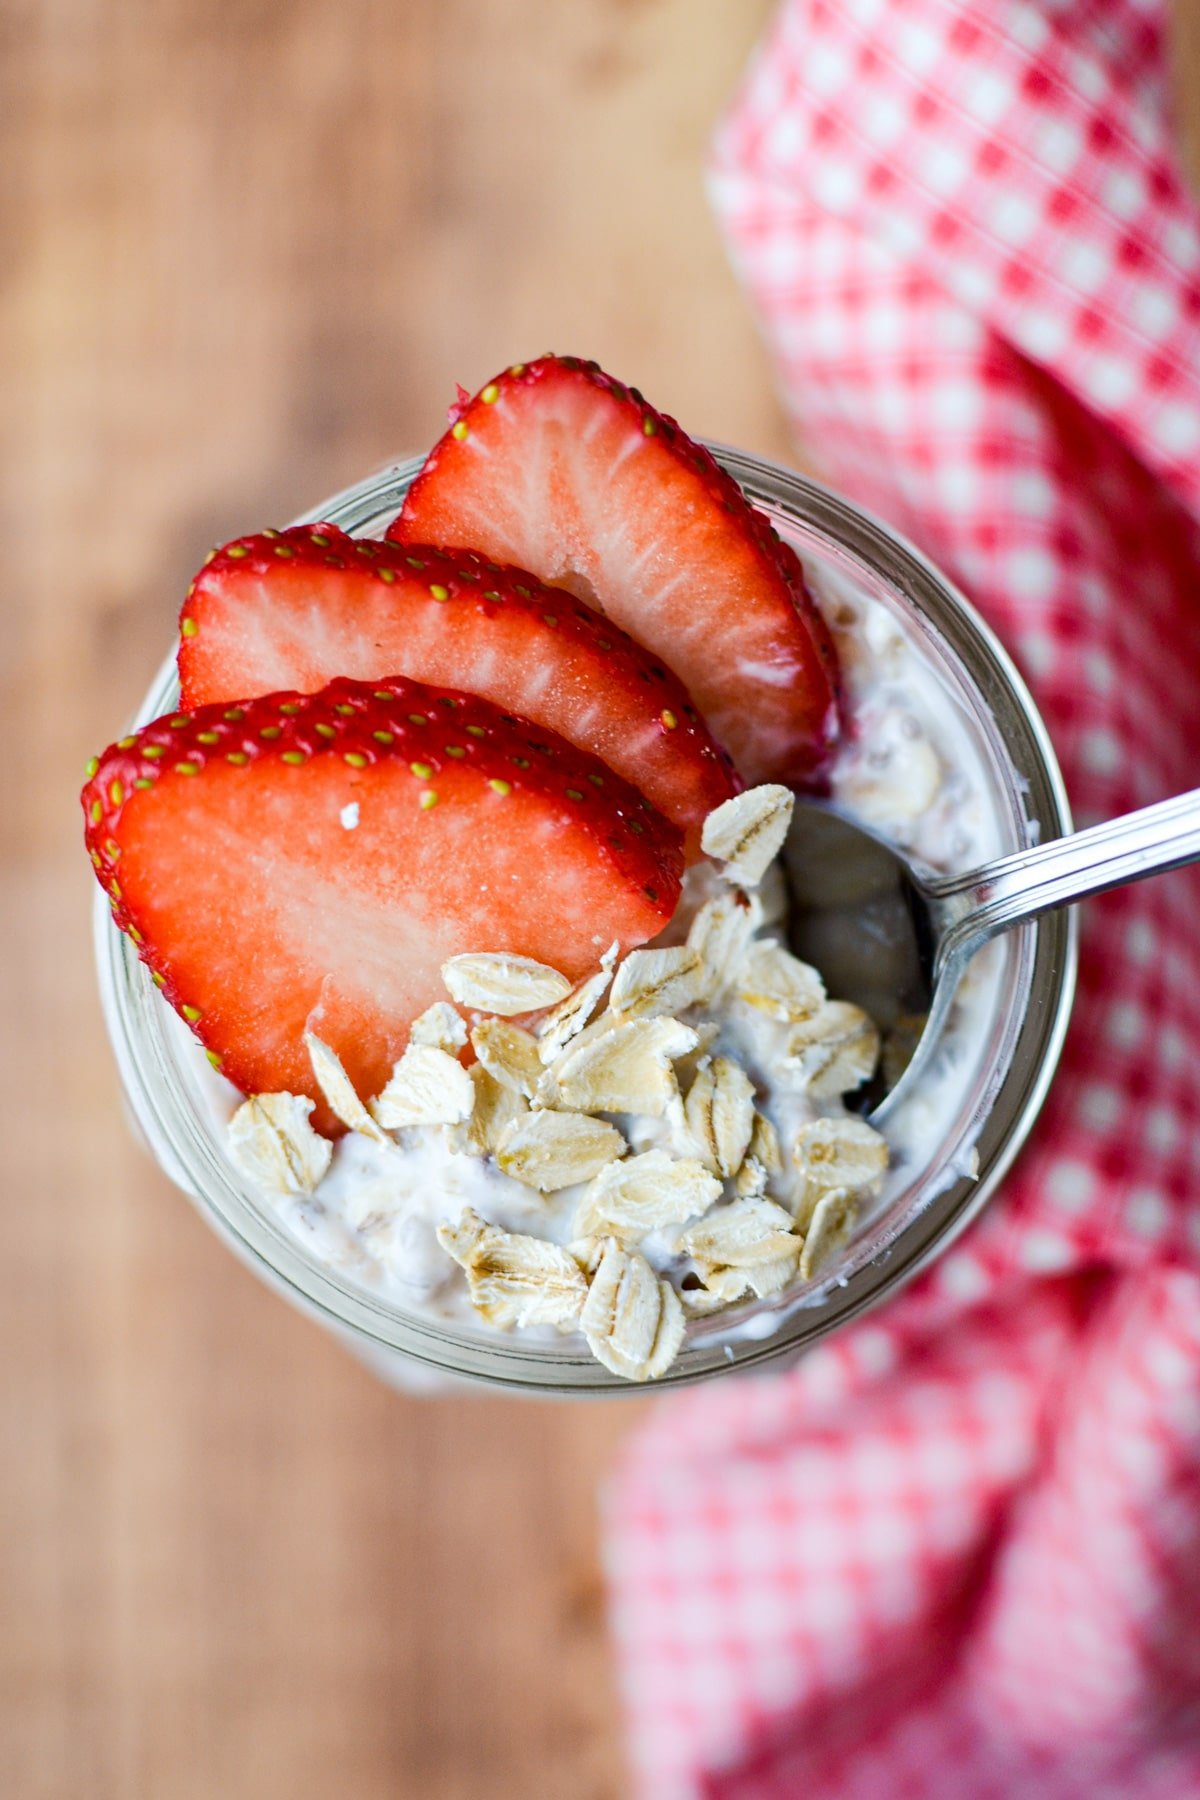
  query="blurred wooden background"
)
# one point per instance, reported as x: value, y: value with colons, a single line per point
x: 246, y: 249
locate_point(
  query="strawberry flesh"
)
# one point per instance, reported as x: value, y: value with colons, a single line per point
x: 558, y: 468
x: 309, y: 862
x: 298, y: 608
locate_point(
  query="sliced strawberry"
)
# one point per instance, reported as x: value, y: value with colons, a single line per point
x: 295, y: 609
x: 310, y: 861
x: 559, y: 468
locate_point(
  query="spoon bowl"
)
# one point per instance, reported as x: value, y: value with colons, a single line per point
x: 894, y: 937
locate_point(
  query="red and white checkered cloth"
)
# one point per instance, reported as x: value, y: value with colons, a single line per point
x: 956, y: 1550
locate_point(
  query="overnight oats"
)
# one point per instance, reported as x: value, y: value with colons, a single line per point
x: 465, y: 866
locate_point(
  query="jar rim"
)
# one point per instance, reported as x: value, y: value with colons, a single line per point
x: 872, y: 553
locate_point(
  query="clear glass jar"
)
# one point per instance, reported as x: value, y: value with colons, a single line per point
x: 1017, y: 1050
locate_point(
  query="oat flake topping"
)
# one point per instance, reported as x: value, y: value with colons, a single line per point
x: 440, y: 1026
x: 833, y: 1051
x: 496, y: 1108
x: 778, y: 983
x: 569, y: 1017
x: 719, y: 1115
x: 509, y: 1054
x: 272, y: 1141
x: 515, y: 1279
x: 720, y: 934
x: 338, y: 1090
x: 428, y: 1086
x: 828, y: 1229
x: 840, y: 1153
x: 652, y: 982
x: 747, y: 832
x: 506, y: 985
x: 643, y: 1193
x: 550, y: 1150
x: 694, y: 1161
x: 633, y: 1322
x: 626, y: 1067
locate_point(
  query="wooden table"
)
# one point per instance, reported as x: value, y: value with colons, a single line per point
x: 246, y: 252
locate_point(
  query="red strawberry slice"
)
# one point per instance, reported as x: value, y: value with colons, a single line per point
x: 559, y: 468
x: 310, y: 861
x: 295, y: 609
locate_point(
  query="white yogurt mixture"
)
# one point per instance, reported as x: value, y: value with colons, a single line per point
x: 909, y: 767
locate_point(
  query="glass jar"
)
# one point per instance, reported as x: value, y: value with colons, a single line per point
x: 1008, y: 1078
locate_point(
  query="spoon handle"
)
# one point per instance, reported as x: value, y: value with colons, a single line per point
x: 977, y: 905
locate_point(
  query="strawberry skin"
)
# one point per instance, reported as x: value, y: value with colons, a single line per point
x: 558, y: 468
x: 298, y: 608
x: 309, y: 862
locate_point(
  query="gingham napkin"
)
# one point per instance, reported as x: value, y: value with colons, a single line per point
x: 956, y: 1551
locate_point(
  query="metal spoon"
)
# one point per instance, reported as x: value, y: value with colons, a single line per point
x: 889, y: 934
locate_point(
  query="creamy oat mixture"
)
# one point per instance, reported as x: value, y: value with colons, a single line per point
x: 670, y: 1138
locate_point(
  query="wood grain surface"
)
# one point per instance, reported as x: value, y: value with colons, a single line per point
x: 246, y: 249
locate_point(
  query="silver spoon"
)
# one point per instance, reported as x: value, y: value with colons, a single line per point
x: 889, y: 934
